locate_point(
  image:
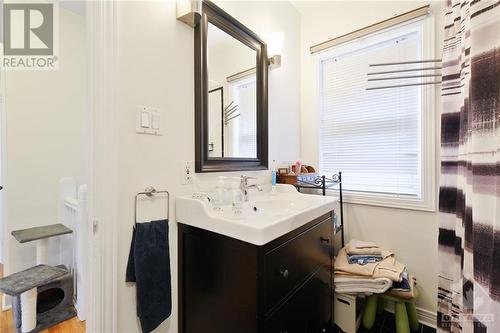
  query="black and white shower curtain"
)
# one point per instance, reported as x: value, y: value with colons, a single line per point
x: 469, y: 200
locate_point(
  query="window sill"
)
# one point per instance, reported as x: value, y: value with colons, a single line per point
x: 388, y: 201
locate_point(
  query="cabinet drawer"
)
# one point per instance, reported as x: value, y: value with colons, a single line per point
x: 286, y: 266
x: 307, y: 311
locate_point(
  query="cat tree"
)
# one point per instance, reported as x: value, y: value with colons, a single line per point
x: 42, y: 295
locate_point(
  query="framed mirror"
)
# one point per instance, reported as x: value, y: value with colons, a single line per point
x: 231, y: 67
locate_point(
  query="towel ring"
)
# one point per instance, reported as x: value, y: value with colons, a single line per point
x: 149, y: 192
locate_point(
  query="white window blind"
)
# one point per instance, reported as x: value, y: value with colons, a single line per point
x: 245, y: 96
x: 372, y: 136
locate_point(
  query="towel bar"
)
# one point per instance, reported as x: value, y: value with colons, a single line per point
x: 436, y: 67
x: 149, y: 192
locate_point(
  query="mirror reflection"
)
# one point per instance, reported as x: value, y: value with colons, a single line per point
x: 232, y: 96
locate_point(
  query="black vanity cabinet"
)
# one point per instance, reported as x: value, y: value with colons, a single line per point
x: 230, y: 286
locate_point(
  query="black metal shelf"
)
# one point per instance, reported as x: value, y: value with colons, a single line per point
x: 324, y: 184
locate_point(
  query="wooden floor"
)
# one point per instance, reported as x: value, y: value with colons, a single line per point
x: 72, y: 325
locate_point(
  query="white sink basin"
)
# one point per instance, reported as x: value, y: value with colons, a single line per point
x: 277, y: 206
x: 264, y: 218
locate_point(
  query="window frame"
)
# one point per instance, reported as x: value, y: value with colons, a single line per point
x: 429, y: 120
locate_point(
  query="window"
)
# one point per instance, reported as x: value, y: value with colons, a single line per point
x: 379, y: 138
x: 244, y: 94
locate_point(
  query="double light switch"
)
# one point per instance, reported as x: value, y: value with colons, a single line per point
x: 148, y: 120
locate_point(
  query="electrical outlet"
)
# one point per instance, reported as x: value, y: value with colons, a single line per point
x: 187, y: 173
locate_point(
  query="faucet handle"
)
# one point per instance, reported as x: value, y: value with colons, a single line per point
x: 244, y: 180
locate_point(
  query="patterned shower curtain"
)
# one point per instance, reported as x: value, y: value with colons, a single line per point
x: 469, y: 200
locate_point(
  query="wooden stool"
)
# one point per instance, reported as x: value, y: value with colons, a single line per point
x: 404, y: 309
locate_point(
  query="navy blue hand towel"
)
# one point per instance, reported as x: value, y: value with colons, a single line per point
x: 149, y: 267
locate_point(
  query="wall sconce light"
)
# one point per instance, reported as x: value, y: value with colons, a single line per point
x: 189, y: 11
x: 274, y: 61
x: 274, y: 49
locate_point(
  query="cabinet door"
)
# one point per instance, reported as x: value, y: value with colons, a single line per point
x: 307, y: 311
x: 219, y: 285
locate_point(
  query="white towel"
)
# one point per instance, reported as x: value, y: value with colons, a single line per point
x: 357, y: 247
x: 367, y: 286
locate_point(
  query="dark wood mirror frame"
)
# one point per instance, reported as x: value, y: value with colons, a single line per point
x: 216, y: 16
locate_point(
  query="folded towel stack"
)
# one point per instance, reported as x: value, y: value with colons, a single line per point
x: 363, y: 267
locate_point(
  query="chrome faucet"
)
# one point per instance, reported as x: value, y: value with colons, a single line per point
x: 245, y: 187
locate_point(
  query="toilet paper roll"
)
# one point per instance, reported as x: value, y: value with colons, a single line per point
x: 28, y: 310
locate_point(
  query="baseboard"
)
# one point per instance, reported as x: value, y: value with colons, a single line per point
x: 426, y: 317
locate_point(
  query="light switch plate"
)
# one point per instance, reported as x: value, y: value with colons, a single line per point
x: 148, y: 120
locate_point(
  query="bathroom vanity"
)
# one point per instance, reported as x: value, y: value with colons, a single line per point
x: 265, y: 271
x: 263, y: 267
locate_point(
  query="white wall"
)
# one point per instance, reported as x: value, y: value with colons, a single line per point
x: 412, y: 235
x: 46, y: 138
x: 156, y: 68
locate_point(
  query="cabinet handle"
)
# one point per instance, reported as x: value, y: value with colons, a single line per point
x: 324, y: 240
x: 284, y: 273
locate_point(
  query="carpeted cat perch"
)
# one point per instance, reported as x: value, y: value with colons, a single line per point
x: 42, y: 296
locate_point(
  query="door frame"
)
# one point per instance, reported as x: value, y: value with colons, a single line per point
x: 102, y: 32
x: 3, y: 166
x: 102, y: 35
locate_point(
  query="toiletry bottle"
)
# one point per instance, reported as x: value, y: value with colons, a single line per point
x: 273, y: 178
x: 298, y: 167
x: 236, y: 196
x: 219, y: 195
